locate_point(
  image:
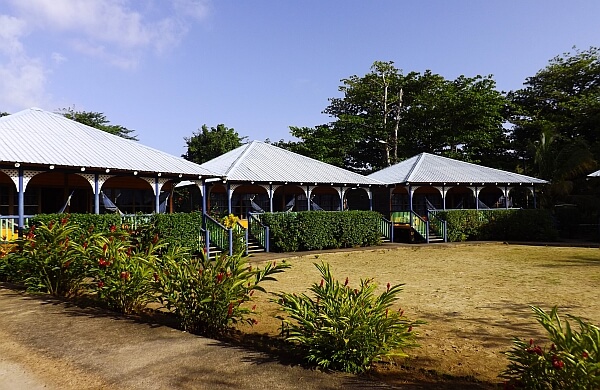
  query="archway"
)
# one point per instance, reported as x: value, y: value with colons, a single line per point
x: 51, y: 192
x: 460, y: 197
x: 426, y: 198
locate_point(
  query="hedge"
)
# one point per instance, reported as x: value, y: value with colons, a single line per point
x: 310, y: 230
x: 177, y: 228
x: 499, y: 225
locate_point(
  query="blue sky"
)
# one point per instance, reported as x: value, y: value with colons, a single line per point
x: 164, y: 68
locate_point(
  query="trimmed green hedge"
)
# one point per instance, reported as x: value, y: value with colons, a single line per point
x: 499, y: 225
x: 177, y: 228
x: 310, y: 230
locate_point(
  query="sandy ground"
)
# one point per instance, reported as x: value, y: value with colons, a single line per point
x: 474, y: 297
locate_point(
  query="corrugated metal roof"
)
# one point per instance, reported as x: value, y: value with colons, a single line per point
x: 39, y: 137
x: 261, y: 162
x: 429, y: 168
x: 595, y: 174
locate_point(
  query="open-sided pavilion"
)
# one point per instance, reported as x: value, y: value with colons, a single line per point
x: 426, y: 181
x: 50, y: 163
x: 261, y: 176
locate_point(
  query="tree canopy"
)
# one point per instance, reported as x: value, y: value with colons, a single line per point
x: 209, y: 143
x: 386, y: 116
x: 556, y: 119
x: 99, y: 121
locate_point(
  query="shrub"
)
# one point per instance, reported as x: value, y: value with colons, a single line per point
x: 208, y: 296
x: 571, y: 362
x: 49, y: 259
x: 517, y: 225
x: 122, y: 271
x: 290, y: 232
x: 343, y: 328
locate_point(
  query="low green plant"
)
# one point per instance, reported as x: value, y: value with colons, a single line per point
x: 122, y: 269
x: 346, y: 329
x: 207, y: 296
x: 571, y: 362
x: 48, y: 259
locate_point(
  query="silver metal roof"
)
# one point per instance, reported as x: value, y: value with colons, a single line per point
x: 261, y: 162
x: 429, y: 168
x: 595, y: 174
x: 35, y: 136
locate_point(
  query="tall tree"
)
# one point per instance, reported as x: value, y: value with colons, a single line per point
x: 563, y: 97
x: 556, y: 119
x: 209, y: 143
x: 99, y: 121
x: 386, y: 116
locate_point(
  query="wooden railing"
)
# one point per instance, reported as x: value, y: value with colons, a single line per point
x: 259, y: 231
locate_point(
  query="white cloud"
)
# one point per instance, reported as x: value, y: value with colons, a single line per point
x: 121, y: 31
x: 58, y: 58
x: 22, y: 79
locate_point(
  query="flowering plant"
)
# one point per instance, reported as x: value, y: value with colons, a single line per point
x: 344, y: 328
x: 208, y: 296
x: 571, y: 362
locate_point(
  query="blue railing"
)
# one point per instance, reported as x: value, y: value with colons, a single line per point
x: 259, y: 231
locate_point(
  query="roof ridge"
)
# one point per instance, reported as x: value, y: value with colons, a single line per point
x: 415, y: 166
x: 238, y: 160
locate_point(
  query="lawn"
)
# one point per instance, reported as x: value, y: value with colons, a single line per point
x: 474, y: 297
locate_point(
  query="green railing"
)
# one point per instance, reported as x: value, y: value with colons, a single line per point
x: 400, y: 217
x: 259, y: 231
x: 386, y: 228
x: 219, y: 234
x: 420, y: 225
x: 438, y: 225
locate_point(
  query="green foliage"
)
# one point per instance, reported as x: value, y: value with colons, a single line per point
x: 86, y: 222
x: 98, y: 120
x: 312, y: 230
x: 500, y: 225
x: 180, y: 229
x: 385, y: 116
x: 343, y: 328
x: 122, y: 271
x: 208, y: 296
x: 556, y: 117
x: 49, y: 259
x: 571, y: 362
x: 210, y: 143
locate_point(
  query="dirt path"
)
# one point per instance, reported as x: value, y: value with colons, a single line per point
x: 49, y: 344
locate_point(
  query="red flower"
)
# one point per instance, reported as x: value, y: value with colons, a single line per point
x: 155, y: 239
x: 230, y: 310
x: 253, y: 307
x: 50, y: 225
x: 219, y: 277
x: 100, y: 284
x: 557, y: 363
x: 585, y: 355
x: 346, y: 282
x: 251, y: 292
x: 113, y: 228
x: 125, y: 275
x: 67, y: 264
x: 85, y: 245
x: 322, y: 282
x: 410, y: 328
x: 102, y: 262
x: 254, y: 322
x: 530, y: 342
x: 155, y: 275
x: 388, y: 286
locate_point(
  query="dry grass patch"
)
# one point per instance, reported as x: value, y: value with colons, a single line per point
x: 475, y: 297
